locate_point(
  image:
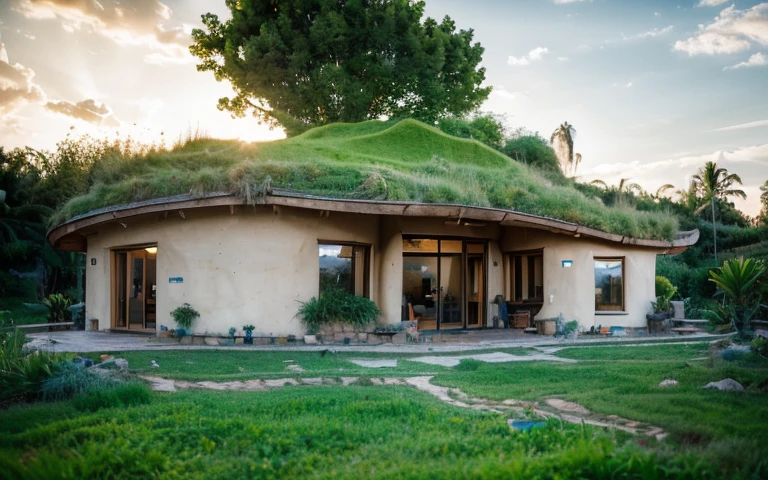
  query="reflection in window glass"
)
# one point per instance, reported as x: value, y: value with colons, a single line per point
x: 344, y: 267
x: 609, y: 284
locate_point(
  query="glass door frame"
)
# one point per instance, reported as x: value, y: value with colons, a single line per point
x: 116, y: 272
x: 464, y: 278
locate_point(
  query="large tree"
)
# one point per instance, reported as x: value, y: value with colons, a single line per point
x: 301, y: 63
x: 715, y: 184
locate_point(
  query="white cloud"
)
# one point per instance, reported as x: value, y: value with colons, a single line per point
x: 534, y: 55
x: 758, y: 123
x: 756, y: 60
x: 563, y: 2
x: 629, y: 84
x: 656, y: 14
x: 17, y: 87
x: 134, y: 23
x: 651, y: 33
x: 750, y: 163
x: 731, y: 32
x: 502, y: 92
x: 711, y: 3
x: 91, y: 111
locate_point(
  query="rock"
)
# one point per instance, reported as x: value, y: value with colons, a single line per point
x: 339, y: 337
x: 668, y: 383
x: 294, y: 368
x: 399, y: 338
x: 727, y: 385
x: 114, y: 363
x: 186, y: 340
x: 761, y: 333
x: 362, y: 337
x: 374, y: 339
x: 212, y: 341
x: 384, y: 363
x: 198, y: 340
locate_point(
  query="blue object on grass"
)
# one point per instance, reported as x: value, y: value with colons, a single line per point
x: 525, y: 425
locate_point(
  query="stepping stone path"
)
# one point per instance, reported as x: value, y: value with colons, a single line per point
x: 550, y: 408
x: 386, y: 363
x: 495, y: 357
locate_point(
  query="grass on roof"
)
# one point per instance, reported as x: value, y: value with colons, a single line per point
x: 405, y: 161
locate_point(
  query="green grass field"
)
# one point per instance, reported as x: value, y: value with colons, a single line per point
x: 400, y: 161
x: 400, y: 432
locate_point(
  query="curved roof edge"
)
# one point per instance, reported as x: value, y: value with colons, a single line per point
x: 67, y: 236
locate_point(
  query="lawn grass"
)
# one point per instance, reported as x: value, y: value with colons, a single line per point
x: 230, y: 365
x: 624, y: 381
x: 320, y: 432
x: 400, y: 432
x: 399, y: 161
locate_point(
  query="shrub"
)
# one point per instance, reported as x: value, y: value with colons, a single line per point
x: 185, y: 315
x: 74, y: 379
x: 58, y: 308
x: 337, y: 306
x: 119, y: 395
x: 22, y: 373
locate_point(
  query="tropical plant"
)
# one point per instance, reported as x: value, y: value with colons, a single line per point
x: 715, y: 184
x: 665, y: 291
x: 185, y: 315
x: 232, y: 331
x: 660, y: 192
x: 300, y: 63
x: 248, y: 329
x: 22, y: 372
x: 58, y: 308
x: 337, y: 306
x: 562, y: 142
x: 738, y: 282
x: 619, y: 194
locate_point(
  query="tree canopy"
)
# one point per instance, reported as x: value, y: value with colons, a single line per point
x: 302, y: 63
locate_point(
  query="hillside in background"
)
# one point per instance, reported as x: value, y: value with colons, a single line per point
x: 396, y: 161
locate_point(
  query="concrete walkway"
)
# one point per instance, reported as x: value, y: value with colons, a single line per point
x: 87, y: 341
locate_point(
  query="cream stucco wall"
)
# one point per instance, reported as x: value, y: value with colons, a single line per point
x: 571, y: 291
x: 253, y: 266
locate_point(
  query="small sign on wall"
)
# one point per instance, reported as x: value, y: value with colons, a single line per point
x: 175, y: 279
x: 567, y: 263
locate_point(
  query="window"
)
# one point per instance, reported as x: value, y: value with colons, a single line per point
x: 524, y: 276
x: 344, y: 266
x: 609, y: 284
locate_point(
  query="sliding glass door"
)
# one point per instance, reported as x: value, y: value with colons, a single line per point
x: 443, y: 283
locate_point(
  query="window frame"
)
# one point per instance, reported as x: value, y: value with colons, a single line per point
x: 366, y: 263
x: 623, y: 261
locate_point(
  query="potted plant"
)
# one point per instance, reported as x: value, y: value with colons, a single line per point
x: 184, y: 316
x: 248, y: 329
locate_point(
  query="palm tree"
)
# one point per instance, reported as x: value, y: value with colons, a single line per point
x: 715, y: 184
x: 563, y: 136
x: 661, y: 191
x: 764, y: 200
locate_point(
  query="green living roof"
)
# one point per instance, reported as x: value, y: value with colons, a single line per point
x: 393, y: 161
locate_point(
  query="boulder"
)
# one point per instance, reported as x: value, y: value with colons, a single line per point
x: 727, y: 385
x: 310, y: 339
x: 761, y: 333
x: 198, y: 340
x: 212, y: 341
x: 668, y: 383
x: 186, y: 340
x: 374, y: 339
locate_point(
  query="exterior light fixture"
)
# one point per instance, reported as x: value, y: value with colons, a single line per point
x: 151, y: 250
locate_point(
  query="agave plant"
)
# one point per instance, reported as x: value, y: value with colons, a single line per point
x: 739, y: 282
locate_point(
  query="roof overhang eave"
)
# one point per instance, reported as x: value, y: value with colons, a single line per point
x: 68, y: 235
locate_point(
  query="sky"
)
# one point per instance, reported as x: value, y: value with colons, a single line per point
x: 654, y: 88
